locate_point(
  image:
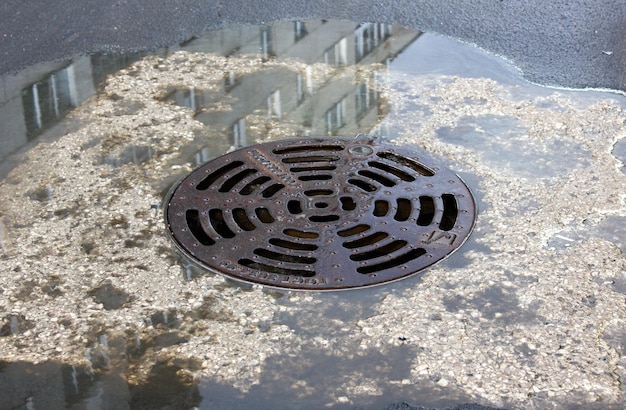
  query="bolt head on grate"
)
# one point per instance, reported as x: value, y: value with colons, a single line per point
x: 320, y: 213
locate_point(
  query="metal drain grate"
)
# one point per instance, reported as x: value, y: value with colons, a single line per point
x: 319, y: 213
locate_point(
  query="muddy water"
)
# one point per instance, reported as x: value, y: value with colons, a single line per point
x: 99, y: 311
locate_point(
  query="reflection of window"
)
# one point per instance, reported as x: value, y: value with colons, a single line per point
x: 299, y: 28
x: 191, y: 99
x: 368, y: 36
x: 231, y: 80
x: 47, y: 101
x: 365, y: 97
x: 335, y: 117
x: 267, y: 44
x: 203, y: 156
x: 337, y: 54
x: 273, y: 105
x: 299, y: 88
x: 239, y: 133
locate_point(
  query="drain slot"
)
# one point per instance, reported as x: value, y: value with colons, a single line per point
x: 400, y: 260
x: 450, y: 212
x: 319, y: 213
x: 211, y: 178
x: 194, y: 225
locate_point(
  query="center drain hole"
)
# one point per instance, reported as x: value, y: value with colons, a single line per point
x: 321, y: 205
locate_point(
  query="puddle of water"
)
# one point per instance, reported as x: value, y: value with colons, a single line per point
x: 97, y: 297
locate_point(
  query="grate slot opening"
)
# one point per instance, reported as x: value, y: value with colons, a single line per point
x: 347, y: 203
x: 392, y: 170
x: 324, y: 218
x: 281, y: 257
x: 310, y: 158
x: 381, y: 208
x: 271, y: 190
x: 195, y: 226
x: 293, y: 245
x: 301, y: 234
x: 319, y: 192
x: 366, y: 241
x: 377, y: 253
x: 355, y: 230
x: 215, y: 175
x: 315, y: 168
x: 264, y: 215
x: 407, y: 162
x: 276, y: 269
x: 400, y: 260
x: 365, y: 186
x: 315, y: 177
x: 241, y: 219
x: 450, y: 212
x: 404, y: 209
x: 427, y: 211
x: 294, y: 207
x: 307, y: 148
x: 216, y: 217
x: 377, y: 177
x: 252, y: 186
x: 235, y: 179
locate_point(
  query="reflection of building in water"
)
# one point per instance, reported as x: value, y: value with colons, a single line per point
x: 344, y: 100
x: 330, y: 94
x: 37, y: 98
x: 40, y: 96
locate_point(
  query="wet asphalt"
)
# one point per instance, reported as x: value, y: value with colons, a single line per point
x: 564, y: 43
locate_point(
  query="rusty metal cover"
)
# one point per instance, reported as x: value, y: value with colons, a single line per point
x: 320, y: 213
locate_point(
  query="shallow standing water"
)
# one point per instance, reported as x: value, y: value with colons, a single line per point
x: 98, y: 310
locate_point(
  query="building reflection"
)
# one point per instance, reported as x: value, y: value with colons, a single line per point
x: 37, y: 99
x: 344, y: 100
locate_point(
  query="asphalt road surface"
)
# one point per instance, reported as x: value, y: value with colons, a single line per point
x: 567, y: 43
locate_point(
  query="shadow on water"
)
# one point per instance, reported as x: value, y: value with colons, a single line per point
x: 302, y: 382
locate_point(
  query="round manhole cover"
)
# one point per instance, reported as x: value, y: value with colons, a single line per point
x: 320, y: 213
